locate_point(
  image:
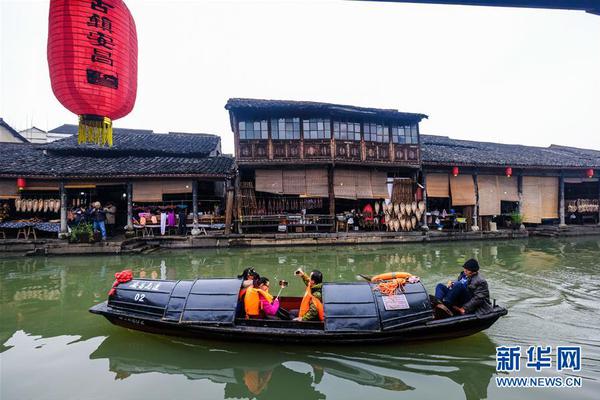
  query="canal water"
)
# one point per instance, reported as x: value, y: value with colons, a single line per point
x: 52, y: 348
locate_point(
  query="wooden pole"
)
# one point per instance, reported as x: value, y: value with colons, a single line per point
x: 238, y: 203
x: 331, y: 196
x: 561, y: 202
x: 520, y: 192
x: 228, y: 206
x: 195, y: 202
x: 476, y: 208
x: 129, y: 207
x: 424, y: 182
x: 63, y: 211
x: 599, y: 201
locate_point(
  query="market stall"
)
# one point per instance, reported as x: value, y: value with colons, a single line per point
x: 581, y: 200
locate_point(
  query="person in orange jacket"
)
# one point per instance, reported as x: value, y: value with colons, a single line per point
x: 311, y: 308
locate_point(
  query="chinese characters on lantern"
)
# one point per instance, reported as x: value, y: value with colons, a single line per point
x: 102, y: 43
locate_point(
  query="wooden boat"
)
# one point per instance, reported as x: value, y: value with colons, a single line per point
x: 355, y: 313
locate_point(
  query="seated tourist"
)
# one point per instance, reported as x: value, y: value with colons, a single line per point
x: 258, y: 302
x: 311, y: 308
x: 468, y: 294
x: 249, y: 279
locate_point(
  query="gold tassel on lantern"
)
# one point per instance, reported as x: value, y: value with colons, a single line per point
x: 95, y: 129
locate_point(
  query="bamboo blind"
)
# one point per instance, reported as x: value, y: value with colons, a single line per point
x: 532, y: 200
x: 8, y: 189
x: 317, y: 183
x: 147, y: 191
x: 294, y: 181
x: 462, y: 189
x: 507, y: 188
x: 489, y: 199
x: 437, y: 185
x: 363, y: 184
x: 344, y: 184
x: 549, y: 191
x: 269, y: 180
x: 379, y: 185
x: 175, y: 186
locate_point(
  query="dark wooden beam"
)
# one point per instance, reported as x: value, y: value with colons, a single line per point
x: 591, y: 6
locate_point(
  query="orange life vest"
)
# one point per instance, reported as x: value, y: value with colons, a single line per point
x: 305, y: 305
x: 252, y: 301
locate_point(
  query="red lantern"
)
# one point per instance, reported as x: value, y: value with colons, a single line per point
x: 508, y: 172
x: 590, y: 172
x: 454, y: 171
x: 92, y: 57
x: 21, y: 183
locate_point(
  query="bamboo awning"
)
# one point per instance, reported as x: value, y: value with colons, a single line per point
x: 492, y: 190
x: 317, y: 183
x: 462, y: 189
x: 269, y: 181
x: 8, y: 189
x: 379, y: 185
x: 344, y: 184
x: 152, y: 191
x: 489, y: 201
x: 294, y: 181
x: 540, y: 198
x: 437, y: 185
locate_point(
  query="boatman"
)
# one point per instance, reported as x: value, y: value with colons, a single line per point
x: 311, y: 308
x: 468, y: 294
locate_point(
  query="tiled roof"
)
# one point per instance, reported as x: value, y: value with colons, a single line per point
x: 37, y: 160
x: 140, y: 142
x: 13, y: 131
x: 442, y: 150
x: 307, y: 107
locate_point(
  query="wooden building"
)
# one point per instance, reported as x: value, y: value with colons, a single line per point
x: 142, y: 172
x: 491, y: 182
x: 320, y: 158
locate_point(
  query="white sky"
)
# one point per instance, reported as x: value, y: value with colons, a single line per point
x: 489, y: 74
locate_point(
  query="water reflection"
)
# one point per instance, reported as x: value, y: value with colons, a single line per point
x: 551, y: 288
x: 258, y: 371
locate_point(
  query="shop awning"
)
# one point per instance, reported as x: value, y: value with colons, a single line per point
x: 269, y: 181
x: 174, y: 187
x: 540, y: 198
x: 492, y: 190
x: 364, y: 189
x: 489, y: 201
x: 507, y: 188
x: 8, y: 189
x: 147, y: 191
x: 379, y: 185
x: 152, y: 191
x: 42, y: 185
x: 344, y: 184
x: 462, y: 189
x: 316, y: 183
x: 549, y: 197
x: 437, y: 185
x: 294, y: 181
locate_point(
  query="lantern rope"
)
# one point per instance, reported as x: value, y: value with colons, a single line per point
x: 96, y: 130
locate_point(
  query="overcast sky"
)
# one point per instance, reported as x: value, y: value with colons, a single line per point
x: 489, y: 74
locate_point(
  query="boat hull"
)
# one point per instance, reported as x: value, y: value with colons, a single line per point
x: 300, y: 332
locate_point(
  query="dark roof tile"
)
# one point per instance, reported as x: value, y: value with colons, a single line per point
x: 442, y: 150
x: 340, y: 110
x: 141, y: 143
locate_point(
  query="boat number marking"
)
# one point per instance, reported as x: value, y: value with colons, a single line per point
x: 139, y: 297
x: 144, y: 285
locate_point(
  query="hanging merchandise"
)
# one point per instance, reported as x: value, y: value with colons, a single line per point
x: 92, y: 58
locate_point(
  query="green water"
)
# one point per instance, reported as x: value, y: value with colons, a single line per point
x: 52, y: 348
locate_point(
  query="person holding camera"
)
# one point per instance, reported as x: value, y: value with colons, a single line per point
x: 311, y: 308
